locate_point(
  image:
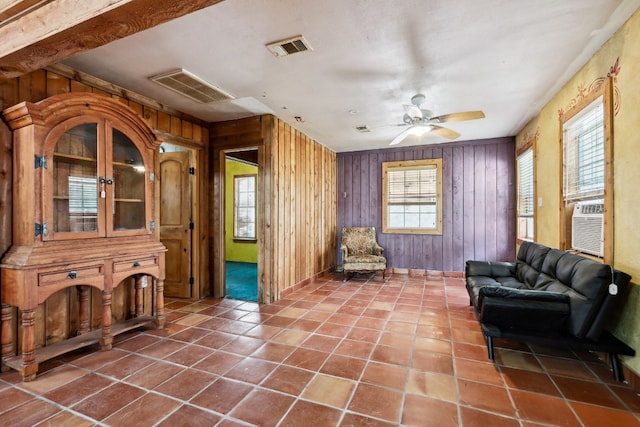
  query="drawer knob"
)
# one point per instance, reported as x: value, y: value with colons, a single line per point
x: 72, y: 275
x: 136, y: 264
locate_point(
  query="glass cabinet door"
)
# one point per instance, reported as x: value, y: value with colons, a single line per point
x: 75, y: 180
x: 128, y: 184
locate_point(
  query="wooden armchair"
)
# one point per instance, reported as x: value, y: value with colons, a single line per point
x: 361, y: 253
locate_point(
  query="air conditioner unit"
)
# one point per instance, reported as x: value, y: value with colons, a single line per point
x: 587, y: 227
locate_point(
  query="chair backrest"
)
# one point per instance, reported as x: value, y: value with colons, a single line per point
x: 359, y: 240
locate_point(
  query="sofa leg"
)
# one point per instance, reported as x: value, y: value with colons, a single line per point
x: 490, y: 347
x: 615, y: 366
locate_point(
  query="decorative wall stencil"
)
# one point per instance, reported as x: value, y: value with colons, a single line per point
x: 529, y: 138
x: 584, y: 90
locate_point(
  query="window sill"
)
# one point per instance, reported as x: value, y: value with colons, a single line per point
x: 236, y: 240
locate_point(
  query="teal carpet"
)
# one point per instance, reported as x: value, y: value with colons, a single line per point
x: 242, y: 281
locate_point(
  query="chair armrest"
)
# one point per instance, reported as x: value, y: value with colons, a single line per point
x: 345, y: 251
x: 377, y: 249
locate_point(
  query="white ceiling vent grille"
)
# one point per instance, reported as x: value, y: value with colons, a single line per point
x: 191, y: 86
x: 289, y: 46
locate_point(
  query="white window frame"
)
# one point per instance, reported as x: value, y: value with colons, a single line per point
x: 244, y: 207
x: 418, y: 208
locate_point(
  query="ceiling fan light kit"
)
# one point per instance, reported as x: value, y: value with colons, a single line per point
x: 422, y: 121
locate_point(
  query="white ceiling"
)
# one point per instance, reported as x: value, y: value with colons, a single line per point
x: 369, y: 57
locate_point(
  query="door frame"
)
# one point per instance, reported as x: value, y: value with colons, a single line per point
x: 219, y: 244
x: 228, y: 156
x: 196, y: 198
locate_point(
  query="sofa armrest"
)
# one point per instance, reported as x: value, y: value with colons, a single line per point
x: 521, y: 294
x: 490, y: 268
x: 524, y: 309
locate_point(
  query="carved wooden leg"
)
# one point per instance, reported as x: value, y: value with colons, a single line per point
x: 83, y: 309
x: 139, y: 296
x: 6, y: 333
x: 160, y: 304
x: 106, y: 340
x: 29, y: 367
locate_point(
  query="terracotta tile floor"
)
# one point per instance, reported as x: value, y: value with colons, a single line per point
x: 406, y: 352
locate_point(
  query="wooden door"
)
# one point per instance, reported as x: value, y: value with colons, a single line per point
x: 175, y: 217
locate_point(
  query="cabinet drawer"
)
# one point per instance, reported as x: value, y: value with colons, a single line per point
x: 79, y: 274
x: 133, y: 264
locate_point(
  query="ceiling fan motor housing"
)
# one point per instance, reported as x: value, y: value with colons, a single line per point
x: 418, y: 99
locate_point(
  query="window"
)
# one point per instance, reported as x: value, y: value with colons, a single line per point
x: 412, y: 196
x: 584, y: 161
x: 244, y: 207
x: 526, y: 198
x: 586, y: 136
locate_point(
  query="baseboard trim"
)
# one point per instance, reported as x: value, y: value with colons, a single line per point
x: 301, y: 284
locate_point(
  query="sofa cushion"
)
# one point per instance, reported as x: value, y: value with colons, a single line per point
x: 529, y: 262
x: 583, y: 280
x: 533, y: 254
x: 550, y: 262
x: 526, y: 274
x: 589, y: 282
x: 490, y: 269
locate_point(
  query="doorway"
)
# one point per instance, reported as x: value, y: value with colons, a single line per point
x: 176, y: 219
x: 241, y: 225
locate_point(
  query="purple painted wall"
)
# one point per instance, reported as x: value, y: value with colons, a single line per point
x: 479, y: 199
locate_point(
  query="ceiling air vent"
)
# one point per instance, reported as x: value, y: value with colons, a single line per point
x: 289, y: 46
x: 191, y: 86
x: 363, y: 129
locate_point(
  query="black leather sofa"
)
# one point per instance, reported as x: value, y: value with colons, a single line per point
x: 550, y: 297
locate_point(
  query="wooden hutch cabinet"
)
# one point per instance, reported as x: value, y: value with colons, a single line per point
x: 83, y: 215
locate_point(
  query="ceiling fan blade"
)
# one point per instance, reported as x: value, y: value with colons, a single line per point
x: 401, y: 136
x: 459, y: 117
x: 445, y: 132
x: 413, y: 111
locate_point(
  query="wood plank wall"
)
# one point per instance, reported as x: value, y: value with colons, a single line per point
x: 297, y: 203
x: 56, y: 319
x: 478, y: 197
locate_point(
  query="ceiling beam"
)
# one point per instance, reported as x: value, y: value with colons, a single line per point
x: 36, y: 34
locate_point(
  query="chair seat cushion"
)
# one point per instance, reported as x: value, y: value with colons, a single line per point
x: 365, y: 258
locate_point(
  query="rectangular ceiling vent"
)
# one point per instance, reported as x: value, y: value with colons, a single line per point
x: 363, y: 129
x: 289, y: 46
x: 191, y: 86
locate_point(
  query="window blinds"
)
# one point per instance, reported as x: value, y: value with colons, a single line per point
x: 525, y: 184
x: 83, y: 195
x: 584, y: 153
x: 412, y: 186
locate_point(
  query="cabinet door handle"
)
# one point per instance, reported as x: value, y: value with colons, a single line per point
x: 136, y: 264
x: 72, y: 275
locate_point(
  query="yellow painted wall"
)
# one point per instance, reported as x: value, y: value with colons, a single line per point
x: 623, y: 47
x: 237, y: 251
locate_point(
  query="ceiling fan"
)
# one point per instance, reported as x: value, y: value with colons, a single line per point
x: 421, y: 121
